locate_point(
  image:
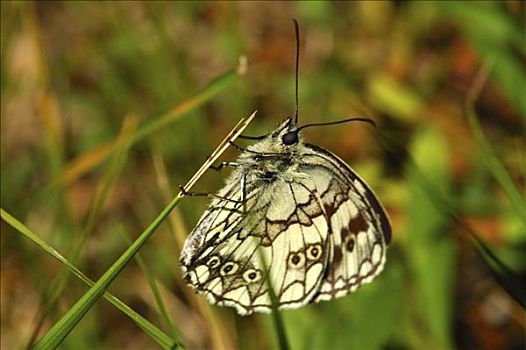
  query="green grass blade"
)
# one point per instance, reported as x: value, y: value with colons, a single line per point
x: 430, y: 238
x: 214, y: 88
x: 506, y: 277
x: 155, y: 333
x: 116, y: 163
x: 156, y: 293
x: 90, y: 159
x: 497, y: 169
x: 65, y: 325
x: 277, y: 320
x: 220, y: 335
x: 492, y: 162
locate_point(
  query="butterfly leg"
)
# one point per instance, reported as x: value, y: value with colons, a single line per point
x: 205, y: 194
x: 244, y: 192
x: 223, y: 165
x: 260, y: 154
x: 239, y: 148
x: 246, y: 137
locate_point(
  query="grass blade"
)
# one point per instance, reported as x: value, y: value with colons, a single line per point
x: 504, y: 276
x: 155, y: 290
x: 428, y: 235
x: 492, y: 162
x: 104, y: 187
x: 277, y: 320
x: 65, y: 325
x: 90, y: 159
x: 218, y: 330
x: 156, y: 334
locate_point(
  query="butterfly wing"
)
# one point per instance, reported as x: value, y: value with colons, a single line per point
x: 320, y: 232
x: 279, y: 225
x: 360, y: 228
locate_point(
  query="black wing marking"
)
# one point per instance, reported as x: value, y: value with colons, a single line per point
x: 360, y: 226
x: 227, y: 266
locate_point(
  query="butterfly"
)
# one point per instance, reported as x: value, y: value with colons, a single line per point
x: 293, y: 217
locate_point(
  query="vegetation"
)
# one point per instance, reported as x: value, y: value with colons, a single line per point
x: 107, y: 107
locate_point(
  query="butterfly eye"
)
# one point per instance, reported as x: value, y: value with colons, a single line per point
x: 296, y: 260
x: 213, y: 262
x: 290, y: 138
x: 229, y: 268
x: 314, y: 252
x: 251, y: 275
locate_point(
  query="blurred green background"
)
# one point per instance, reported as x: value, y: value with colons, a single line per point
x: 76, y: 76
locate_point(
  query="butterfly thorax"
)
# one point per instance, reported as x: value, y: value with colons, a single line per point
x: 270, y: 159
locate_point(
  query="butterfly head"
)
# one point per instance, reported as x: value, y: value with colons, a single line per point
x: 291, y: 137
x: 275, y: 153
x: 287, y: 133
x: 285, y: 139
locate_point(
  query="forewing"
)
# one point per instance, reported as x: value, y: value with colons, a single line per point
x: 281, y: 225
x: 359, y: 225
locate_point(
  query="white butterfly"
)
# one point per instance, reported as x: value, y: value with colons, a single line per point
x: 301, y: 211
x: 294, y: 210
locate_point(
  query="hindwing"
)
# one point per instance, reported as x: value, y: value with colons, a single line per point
x: 283, y: 225
x: 359, y: 225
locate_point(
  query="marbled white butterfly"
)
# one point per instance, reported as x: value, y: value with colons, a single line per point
x: 291, y: 209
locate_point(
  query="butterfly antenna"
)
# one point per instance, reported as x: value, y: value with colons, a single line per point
x: 356, y: 119
x: 297, y: 29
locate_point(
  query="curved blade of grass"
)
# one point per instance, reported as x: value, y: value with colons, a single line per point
x: 277, y: 320
x: 505, y: 276
x: 492, y: 162
x: 218, y: 330
x: 155, y: 290
x: 65, y: 325
x: 116, y: 163
x: 155, y: 333
x: 508, y: 279
x: 428, y: 239
x: 90, y: 159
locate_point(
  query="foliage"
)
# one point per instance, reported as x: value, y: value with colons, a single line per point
x: 106, y: 107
